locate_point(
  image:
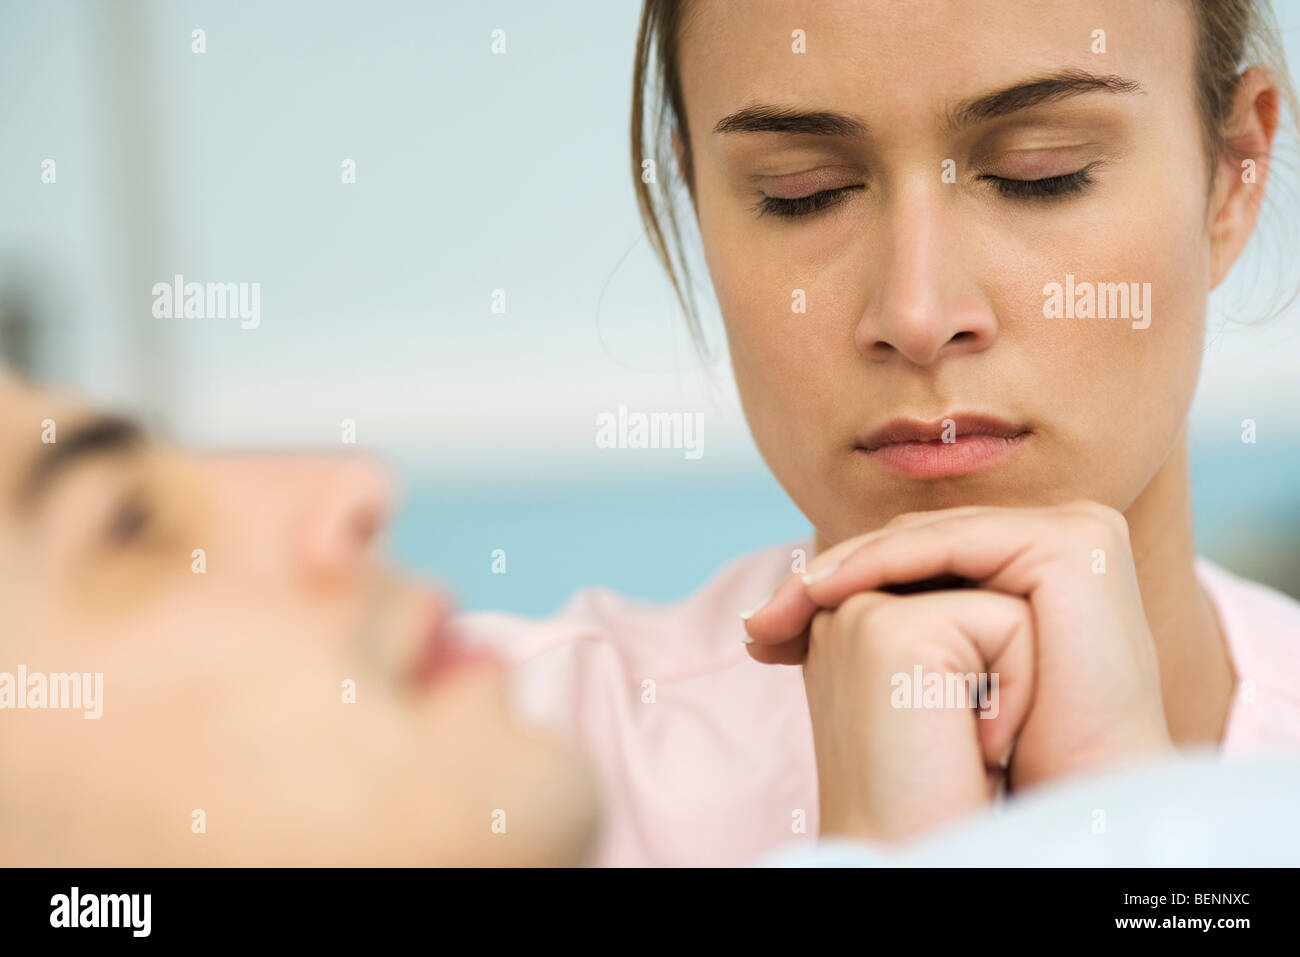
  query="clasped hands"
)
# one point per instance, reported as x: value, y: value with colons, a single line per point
x: 1051, y: 606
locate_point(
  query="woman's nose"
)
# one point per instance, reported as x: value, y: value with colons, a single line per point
x: 925, y: 304
x: 346, y: 522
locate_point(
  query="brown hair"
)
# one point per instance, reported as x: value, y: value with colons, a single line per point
x: 1230, y: 35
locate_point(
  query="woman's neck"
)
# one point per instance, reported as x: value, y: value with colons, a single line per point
x: 1197, y: 678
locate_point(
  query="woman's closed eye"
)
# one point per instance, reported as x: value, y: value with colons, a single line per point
x: 1044, y: 188
x: 793, y: 207
x: 1048, y: 187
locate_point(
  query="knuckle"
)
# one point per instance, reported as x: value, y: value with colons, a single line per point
x: 864, y: 610
x: 854, y: 622
x: 905, y: 518
x: 1094, y: 516
x: 1096, y: 510
x: 926, y: 515
x: 890, y: 628
x: 823, y: 621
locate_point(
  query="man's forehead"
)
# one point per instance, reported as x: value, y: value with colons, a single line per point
x: 25, y: 407
x: 30, y: 418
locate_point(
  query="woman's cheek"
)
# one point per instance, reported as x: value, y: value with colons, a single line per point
x: 1163, y: 348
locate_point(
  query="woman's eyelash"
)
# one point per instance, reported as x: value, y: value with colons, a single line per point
x: 1064, y: 185
x: 1046, y: 188
x: 802, y: 205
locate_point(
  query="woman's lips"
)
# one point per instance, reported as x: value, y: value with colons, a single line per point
x: 953, y: 445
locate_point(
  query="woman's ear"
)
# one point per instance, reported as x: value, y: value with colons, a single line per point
x: 1242, y: 169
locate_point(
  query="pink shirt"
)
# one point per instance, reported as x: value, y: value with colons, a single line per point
x: 705, y: 757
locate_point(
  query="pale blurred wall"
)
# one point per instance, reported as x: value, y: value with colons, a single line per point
x: 475, y: 172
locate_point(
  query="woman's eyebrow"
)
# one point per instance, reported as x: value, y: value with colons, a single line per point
x: 101, y: 435
x: 1034, y: 91
x: 765, y: 118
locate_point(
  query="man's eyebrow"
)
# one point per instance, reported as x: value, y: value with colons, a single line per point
x: 1046, y: 88
x: 101, y: 435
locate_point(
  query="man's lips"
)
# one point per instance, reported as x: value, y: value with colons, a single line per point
x: 952, y: 445
x: 444, y: 653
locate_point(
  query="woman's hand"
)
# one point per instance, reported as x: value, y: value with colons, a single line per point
x: 1097, y: 695
x: 890, y: 682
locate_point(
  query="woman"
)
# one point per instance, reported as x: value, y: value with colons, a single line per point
x: 962, y: 253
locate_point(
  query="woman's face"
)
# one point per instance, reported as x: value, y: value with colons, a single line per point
x: 924, y: 281
x: 263, y: 675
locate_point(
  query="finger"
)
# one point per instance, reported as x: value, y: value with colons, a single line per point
x: 995, y: 659
x: 836, y: 554
x: 1002, y: 549
x: 792, y: 652
x: 786, y: 614
x: 997, y: 781
x: 782, y: 618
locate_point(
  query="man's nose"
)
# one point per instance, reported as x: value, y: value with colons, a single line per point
x: 348, y: 517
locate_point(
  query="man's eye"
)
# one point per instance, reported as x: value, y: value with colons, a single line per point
x: 1051, y: 186
x: 130, y: 520
x: 803, y: 205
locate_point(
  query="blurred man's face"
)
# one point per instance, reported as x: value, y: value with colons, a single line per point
x: 269, y: 693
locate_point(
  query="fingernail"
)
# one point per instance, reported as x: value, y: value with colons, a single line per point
x: 747, y: 640
x: 746, y: 615
x: 812, y: 578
